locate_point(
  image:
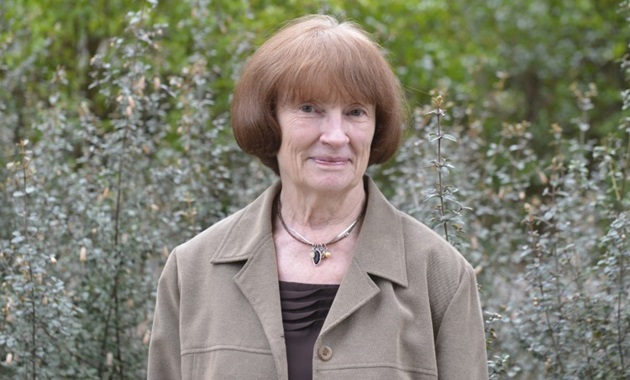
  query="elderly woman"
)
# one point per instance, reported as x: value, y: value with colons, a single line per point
x: 320, y: 277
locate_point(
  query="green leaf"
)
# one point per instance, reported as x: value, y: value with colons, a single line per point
x: 449, y: 137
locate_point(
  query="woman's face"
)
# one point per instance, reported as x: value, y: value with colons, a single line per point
x: 325, y: 146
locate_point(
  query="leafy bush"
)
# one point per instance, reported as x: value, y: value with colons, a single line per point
x: 115, y: 147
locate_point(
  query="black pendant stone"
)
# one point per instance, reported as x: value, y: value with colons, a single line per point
x: 317, y: 253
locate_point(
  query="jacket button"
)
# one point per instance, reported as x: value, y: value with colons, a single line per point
x: 325, y: 353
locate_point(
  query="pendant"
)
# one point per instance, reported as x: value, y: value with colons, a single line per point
x: 319, y: 253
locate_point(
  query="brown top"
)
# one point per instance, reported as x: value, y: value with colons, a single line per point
x: 304, y: 309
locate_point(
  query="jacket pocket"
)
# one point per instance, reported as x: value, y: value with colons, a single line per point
x: 375, y: 372
x: 228, y: 362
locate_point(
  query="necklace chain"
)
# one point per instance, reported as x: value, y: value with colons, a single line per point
x: 319, y: 251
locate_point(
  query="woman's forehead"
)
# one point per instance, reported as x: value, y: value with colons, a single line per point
x: 325, y: 90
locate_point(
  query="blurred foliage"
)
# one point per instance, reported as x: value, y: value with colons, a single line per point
x: 115, y: 146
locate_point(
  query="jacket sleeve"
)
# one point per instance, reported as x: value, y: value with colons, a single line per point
x: 164, y: 348
x: 460, y: 343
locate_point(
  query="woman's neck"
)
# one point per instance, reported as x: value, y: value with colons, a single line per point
x: 317, y: 213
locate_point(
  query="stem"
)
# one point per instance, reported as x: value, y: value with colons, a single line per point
x: 620, y: 189
x: 115, y: 296
x: 104, y: 342
x: 118, y: 258
x: 616, y: 189
x: 541, y: 288
x: 439, y: 167
x: 30, y: 266
x: 117, y: 327
x: 549, y: 327
x: 118, y: 254
x: 555, y: 175
x: 118, y: 263
x: 620, y: 297
x: 624, y: 170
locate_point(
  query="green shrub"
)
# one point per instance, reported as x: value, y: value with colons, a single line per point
x: 115, y: 146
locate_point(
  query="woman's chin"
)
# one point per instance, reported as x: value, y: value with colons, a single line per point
x: 334, y: 182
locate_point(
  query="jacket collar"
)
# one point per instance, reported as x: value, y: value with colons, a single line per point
x: 379, y: 251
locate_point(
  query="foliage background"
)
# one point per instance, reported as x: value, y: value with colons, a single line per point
x: 115, y: 146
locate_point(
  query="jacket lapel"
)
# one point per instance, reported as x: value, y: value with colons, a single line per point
x: 356, y: 289
x: 379, y: 252
x: 250, y: 239
x: 259, y: 283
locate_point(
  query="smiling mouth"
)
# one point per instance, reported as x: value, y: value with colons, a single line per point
x: 331, y: 160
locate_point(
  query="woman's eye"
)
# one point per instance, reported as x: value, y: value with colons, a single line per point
x: 307, y: 108
x: 357, y: 112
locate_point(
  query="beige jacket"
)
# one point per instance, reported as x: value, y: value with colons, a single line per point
x: 408, y: 307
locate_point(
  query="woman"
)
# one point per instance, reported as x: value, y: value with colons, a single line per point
x: 320, y: 277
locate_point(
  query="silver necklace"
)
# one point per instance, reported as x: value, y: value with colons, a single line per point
x: 319, y: 251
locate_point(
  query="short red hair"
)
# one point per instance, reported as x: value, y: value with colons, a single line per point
x: 315, y: 57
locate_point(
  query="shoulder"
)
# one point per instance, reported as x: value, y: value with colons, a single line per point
x: 434, y: 264
x: 201, y: 244
x: 191, y: 260
x: 430, y: 256
x: 230, y: 239
x: 396, y: 237
x: 437, y: 253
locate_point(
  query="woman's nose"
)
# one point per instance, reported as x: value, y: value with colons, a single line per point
x: 334, y: 130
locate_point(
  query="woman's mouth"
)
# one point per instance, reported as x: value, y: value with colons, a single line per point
x: 331, y: 160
